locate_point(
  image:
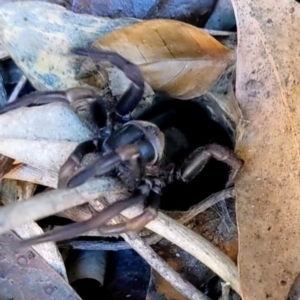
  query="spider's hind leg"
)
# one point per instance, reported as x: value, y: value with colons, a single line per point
x: 95, y: 222
x: 47, y: 97
x: 131, y: 98
x: 195, y: 163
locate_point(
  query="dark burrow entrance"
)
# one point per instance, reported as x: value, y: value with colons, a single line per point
x: 193, y: 127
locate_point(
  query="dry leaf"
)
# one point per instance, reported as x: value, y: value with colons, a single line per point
x: 5, y: 164
x: 3, y: 53
x: 39, y: 35
x: 174, y: 57
x: 43, y: 136
x: 28, y: 173
x: 268, y: 190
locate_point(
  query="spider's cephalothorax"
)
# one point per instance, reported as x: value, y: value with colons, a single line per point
x: 134, y: 149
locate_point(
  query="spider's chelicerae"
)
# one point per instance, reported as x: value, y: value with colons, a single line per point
x: 134, y: 148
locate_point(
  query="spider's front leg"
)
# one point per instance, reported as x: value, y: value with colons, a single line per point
x: 195, y: 163
x: 133, y: 95
x: 75, y: 229
x: 139, y: 222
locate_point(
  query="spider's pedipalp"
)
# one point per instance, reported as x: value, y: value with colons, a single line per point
x: 106, y: 163
x: 73, y: 162
x: 131, y: 98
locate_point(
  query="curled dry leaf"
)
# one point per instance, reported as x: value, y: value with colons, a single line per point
x: 174, y: 57
x: 45, y: 149
x: 39, y: 35
x: 268, y: 190
x: 28, y: 173
x: 6, y: 164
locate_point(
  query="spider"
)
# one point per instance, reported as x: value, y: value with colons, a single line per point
x: 133, y: 148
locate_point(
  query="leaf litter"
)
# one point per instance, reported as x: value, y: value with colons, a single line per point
x: 59, y: 145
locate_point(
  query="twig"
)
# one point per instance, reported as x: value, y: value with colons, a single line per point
x: 3, y: 95
x: 17, y: 89
x: 225, y: 291
x: 79, y: 214
x: 158, y: 264
x: 206, y: 204
x: 52, y: 202
x: 94, y: 242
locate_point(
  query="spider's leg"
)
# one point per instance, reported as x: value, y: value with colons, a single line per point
x: 71, y: 165
x: 195, y: 163
x: 98, y: 220
x: 47, y: 97
x: 131, y: 98
x: 139, y: 222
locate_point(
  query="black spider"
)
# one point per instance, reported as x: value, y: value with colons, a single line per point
x: 133, y: 148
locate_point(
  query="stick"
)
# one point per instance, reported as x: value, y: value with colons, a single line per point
x: 158, y: 264
x: 51, y: 202
x: 17, y: 89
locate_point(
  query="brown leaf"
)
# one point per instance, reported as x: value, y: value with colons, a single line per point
x: 174, y: 57
x: 194, y: 12
x: 268, y: 190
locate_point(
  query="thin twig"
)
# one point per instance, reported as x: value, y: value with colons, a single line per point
x: 158, y: 264
x: 225, y: 291
x: 206, y: 204
x: 51, y: 202
x: 15, y: 93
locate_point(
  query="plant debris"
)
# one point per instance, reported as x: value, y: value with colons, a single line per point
x: 194, y: 64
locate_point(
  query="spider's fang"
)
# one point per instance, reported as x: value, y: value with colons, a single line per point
x: 104, y: 164
x: 72, y: 163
